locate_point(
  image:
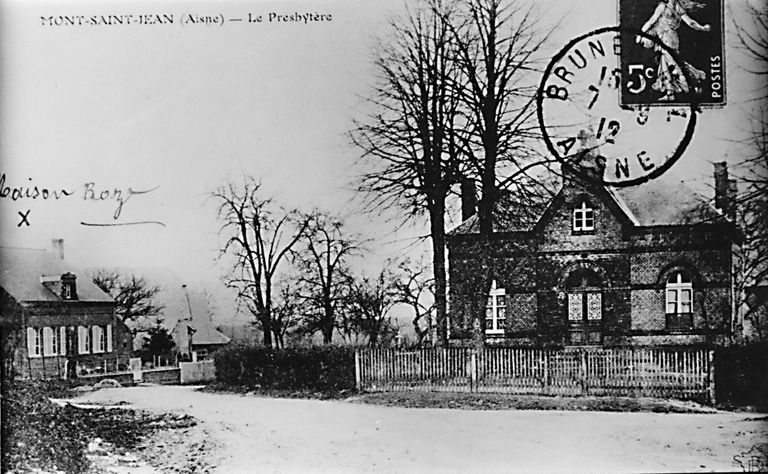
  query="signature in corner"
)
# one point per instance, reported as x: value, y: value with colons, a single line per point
x: 754, y: 460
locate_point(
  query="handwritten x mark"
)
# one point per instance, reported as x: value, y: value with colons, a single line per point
x: 24, y: 216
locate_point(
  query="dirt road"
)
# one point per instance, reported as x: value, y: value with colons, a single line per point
x: 254, y: 434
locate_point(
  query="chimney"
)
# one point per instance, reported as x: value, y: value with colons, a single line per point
x: 57, y: 247
x: 468, y: 198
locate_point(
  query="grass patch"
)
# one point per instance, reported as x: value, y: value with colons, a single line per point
x: 278, y: 393
x: 490, y: 401
x: 39, y: 434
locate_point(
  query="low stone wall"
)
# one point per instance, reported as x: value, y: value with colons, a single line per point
x: 197, y: 372
x: 163, y: 376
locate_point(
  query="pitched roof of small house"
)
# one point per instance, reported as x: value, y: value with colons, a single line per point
x: 664, y: 201
x: 189, y: 308
x: 33, y: 275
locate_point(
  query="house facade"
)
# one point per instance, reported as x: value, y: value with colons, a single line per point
x: 601, y: 266
x: 55, y: 321
x: 188, y: 319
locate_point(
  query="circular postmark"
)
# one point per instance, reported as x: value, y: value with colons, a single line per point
x: 586, y: 127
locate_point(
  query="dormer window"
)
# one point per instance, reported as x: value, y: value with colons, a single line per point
x: 68, y: 287
x: 583, y: 218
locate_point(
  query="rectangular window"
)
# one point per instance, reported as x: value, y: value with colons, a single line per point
x: 495, y: 310
x: 48, y: 347
x: 34, y: 342
x: 55, y: 341
x: 583, y: 218
x: 83, y: 340
x: 99, y: 339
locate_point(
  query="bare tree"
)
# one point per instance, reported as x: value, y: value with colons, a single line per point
x: 415, y: 288
x: 752, y: 173
x: 457, y: 103
x: 134, y: 295
x: 496, y: 45
x: 321, y: 260
x: 410, y: 143
x: 259, y: 235
x: 287, y: 311
x: 369, y: 303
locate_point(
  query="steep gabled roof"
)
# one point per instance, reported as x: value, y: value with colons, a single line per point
x: 664, y: 201
x: 21, y: 272
x: 189, y: 308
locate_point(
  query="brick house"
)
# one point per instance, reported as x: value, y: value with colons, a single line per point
x: 55, y: 322
x: 643, y: 265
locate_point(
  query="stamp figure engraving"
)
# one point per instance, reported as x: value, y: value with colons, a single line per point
x: 693, y: 31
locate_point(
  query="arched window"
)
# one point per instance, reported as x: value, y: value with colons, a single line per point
x: 679, y: 294
x: 679, y: 299
x: 585, y: 307
x: 584, y: 296
x: 495, y: 310
x: 583, y: 218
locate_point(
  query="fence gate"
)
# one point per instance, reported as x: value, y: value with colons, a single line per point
x: 665, y: 373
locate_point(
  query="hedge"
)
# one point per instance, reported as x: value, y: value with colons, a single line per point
x: 741, y: 375
x: 321, y: 368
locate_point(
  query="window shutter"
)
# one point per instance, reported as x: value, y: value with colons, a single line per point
x: 109, y: 338
x: 31, y: 342
x: 47, y: 341
x: 82, y: 334
x: 96, y: 339
x: 63, y: 340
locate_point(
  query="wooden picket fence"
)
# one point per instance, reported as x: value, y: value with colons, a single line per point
x: 643, y: 372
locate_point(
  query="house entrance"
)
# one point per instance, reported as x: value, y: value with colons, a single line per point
x: 585, y: 308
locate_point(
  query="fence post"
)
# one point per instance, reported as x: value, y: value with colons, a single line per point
x: 357, y: 370
x: 711, y: 376
x: 546, y: 372
x: 584, y: 388
x: 472, y: 370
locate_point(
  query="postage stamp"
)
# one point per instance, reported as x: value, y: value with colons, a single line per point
x: 587, y: 128
x: 694, y: 31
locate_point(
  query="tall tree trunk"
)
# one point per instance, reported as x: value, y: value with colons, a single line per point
x: 437, y: 230
x: 327, y: 334
x: 327, y: 327
x: 267, y: 329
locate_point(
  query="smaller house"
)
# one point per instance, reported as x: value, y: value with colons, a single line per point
x: 55, y: 321
x: 187, y: 316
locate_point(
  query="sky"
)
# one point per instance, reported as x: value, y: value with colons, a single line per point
x: 179, y: 109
